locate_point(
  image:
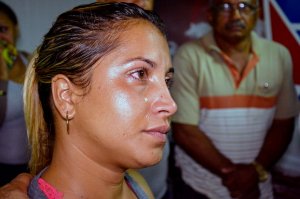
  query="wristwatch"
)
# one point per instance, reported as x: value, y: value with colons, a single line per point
x: 263, y: 175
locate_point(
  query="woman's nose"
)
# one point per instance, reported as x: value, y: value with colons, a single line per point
x: 164, y: 104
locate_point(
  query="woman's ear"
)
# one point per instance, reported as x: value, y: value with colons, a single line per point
x: 63, y: 91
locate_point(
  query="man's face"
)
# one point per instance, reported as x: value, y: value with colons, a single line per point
x: 233, y: 20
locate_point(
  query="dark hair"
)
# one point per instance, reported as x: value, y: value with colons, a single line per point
x: 9, y: 12
x: 78, y: 39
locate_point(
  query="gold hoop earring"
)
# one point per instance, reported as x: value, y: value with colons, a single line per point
x: 67, y: 122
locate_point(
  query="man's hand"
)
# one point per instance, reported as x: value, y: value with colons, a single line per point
x: 242, y: 181
x: 17, y: 188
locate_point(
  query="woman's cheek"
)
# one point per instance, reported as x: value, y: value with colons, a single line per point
x: 124, y: 105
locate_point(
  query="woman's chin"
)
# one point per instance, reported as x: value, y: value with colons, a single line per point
x: 147, y: 161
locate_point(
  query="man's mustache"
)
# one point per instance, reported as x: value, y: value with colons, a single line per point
x: 235, y: 24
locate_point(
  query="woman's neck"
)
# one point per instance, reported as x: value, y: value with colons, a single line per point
x: 79, y: 176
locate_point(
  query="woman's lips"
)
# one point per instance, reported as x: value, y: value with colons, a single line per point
x: 159, y: 132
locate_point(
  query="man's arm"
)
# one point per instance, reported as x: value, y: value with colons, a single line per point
x: 281, y: 131
x: 191, y: 139
x: 276, y: 142
x: 17, y: 188
x: 243, y: 181
x: 240, y: 179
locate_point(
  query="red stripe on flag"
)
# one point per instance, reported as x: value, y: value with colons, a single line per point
x: 282, y: 34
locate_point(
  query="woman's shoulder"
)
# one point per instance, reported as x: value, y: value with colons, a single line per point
x: 141, y: 182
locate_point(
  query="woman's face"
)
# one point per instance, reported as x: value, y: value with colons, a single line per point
x: 7, y: 29
x: 124, y: 118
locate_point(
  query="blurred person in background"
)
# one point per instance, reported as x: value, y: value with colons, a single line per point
x: 14, y: 151
x: 236, y: 106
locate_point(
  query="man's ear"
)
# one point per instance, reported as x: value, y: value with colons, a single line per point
x: 63, y: 91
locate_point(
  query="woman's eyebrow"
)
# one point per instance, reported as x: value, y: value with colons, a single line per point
x: 148, y: 61
x: 151, y: 63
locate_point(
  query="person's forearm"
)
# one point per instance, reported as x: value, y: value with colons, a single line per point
x: 201, y: 149
x: 276, y: 142
x: 17, y: 188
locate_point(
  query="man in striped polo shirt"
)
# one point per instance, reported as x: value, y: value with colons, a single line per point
x: 236, y: 106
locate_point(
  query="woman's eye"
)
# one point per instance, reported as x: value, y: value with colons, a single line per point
x: 140, y: 74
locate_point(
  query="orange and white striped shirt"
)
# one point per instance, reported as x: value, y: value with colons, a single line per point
x: 235, y: 110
